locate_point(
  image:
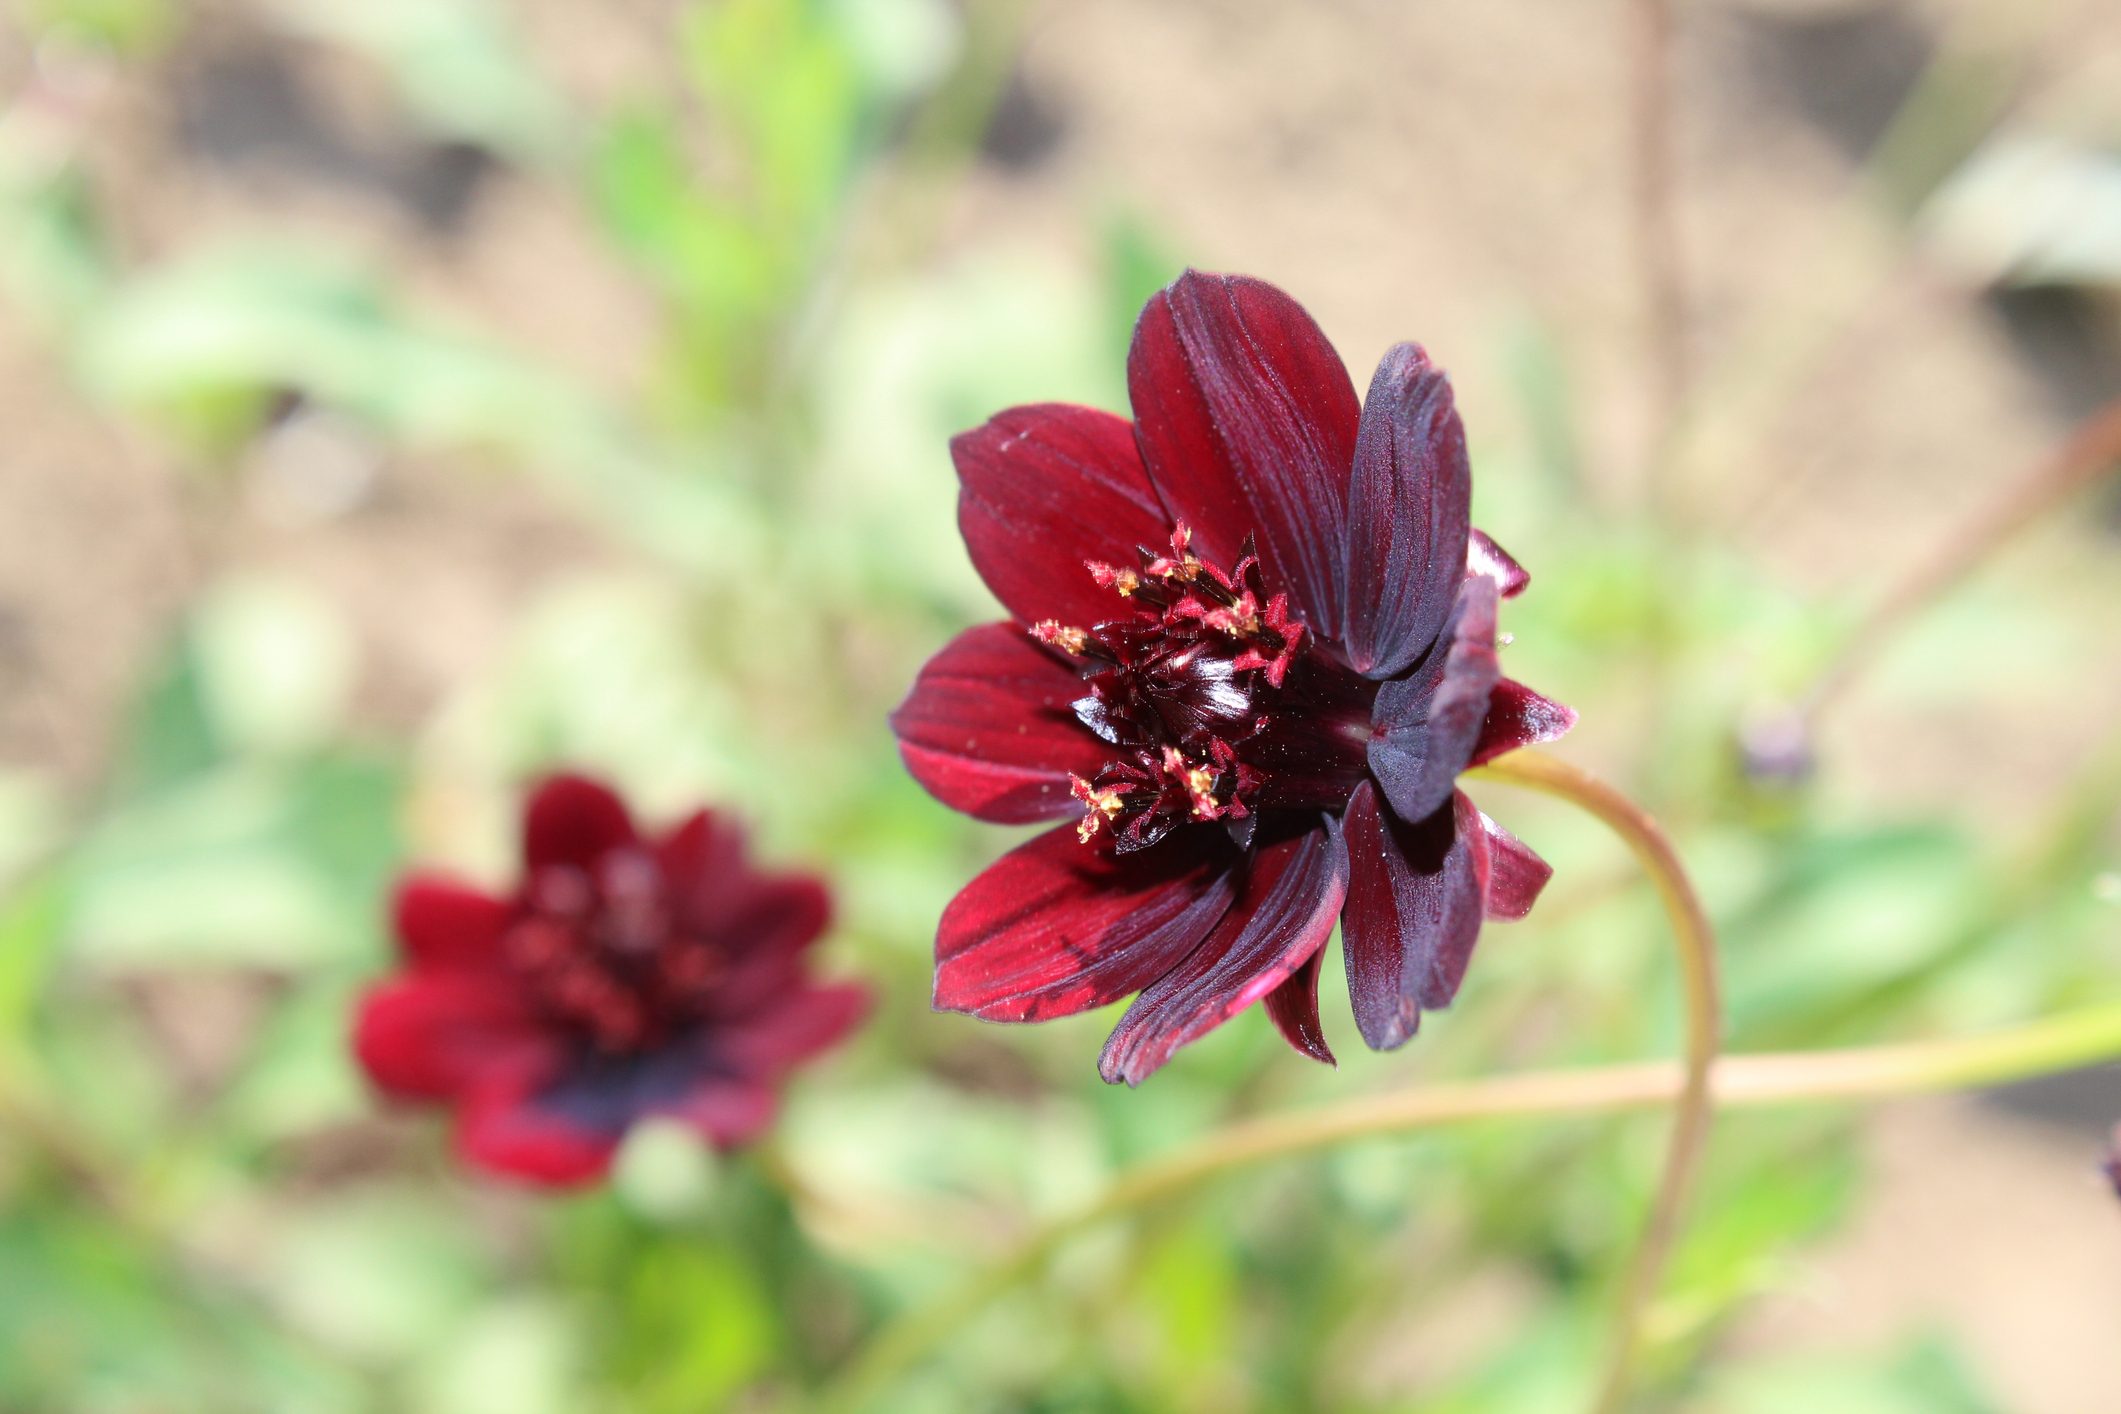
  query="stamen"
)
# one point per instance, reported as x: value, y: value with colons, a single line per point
x: 1055, y: 634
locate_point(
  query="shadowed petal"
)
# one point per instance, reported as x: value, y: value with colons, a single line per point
x: 503, y: 1132
x: 1045, y: 488
x: 436, y: 1034
x: 1056, y: 926
x: 1425, y: 725
x: 1408, y: 504
x: 1484, y: 556
x: 1518, y: 716
x: 573, y: 820
x: 444, y: 925
x: 1246, y: 418
x: 803, y: 1023
x: 1292, y: 891
x: 727, y: 1112
x: 1293, y: 1008
x: 1515, y: 874
x: 1415, y: 899
x: 988, y: 728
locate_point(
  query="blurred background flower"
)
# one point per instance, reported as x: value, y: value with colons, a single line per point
x: 404, y: 398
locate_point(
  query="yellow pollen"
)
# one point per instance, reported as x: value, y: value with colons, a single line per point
x: 1200, y: 784
x: 1068, y: 640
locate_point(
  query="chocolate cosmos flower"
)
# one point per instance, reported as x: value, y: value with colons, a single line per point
x: 625, y: 977
x: 1253, y: 647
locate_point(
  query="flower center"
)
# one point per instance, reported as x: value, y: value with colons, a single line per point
x: 1208, y: 689
x: 601, y: 953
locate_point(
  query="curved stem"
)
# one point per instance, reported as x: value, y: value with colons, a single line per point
x: 1693, y: 1110
x: 1738, y: 1082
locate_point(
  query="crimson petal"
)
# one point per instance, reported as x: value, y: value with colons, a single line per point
x: 727, y: 1112
x: 988, y: 728
x: 1484, y: 556
x: 1408, y: 507
x: 434, y: 1035
x: 1515, y: 874
x: 574, y: 820
x: 1246, y: 419
x: 803, y: 1023
x: 1518, y: 716
x: 1057, y: 926
x: 443, y: 925
x: 1292, y: 891
x: 506, y: 1132
x: 1045, y: 488
x: 1425, y: 726
x: 1293, y: 1008
x: 1415, y: 899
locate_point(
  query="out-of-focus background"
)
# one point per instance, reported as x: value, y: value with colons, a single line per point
x: 400, y: 397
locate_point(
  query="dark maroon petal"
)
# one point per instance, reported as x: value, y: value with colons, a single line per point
x: 799, y: 1025
x: 505, y: 1132
x: 1408, y: 504
x: 988, y: 728
x: 1484, y: 556
x: 1415, y: 898
x: 433, y: 1035
x: 1515, y: 873
x: 1057, y: 926
x: 1293, y: 1008
x: 446, y: 926
x: 1246, y: 418
x: 1292, y: 891
x: 727, y: 1112
x: 573, y: 820
x: 1518, y: 716
x: 1045, y: 488
x: 1425, y: 725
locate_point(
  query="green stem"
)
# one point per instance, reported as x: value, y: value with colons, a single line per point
x: 2061, y: 1043
x: 1694, y: 1110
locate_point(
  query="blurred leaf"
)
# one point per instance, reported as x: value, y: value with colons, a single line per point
x: 456, y: 62
x: 1927, y: 1378
x: 514, y: 1355
x: 376, y: 1276
x: 273, y: 868
x: 276, y: 664
x: 124, y: 27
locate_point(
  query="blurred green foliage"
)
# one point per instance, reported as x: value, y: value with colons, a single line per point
x: 180, y: 938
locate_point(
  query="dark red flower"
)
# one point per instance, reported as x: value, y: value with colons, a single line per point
x: 1253, y: 647
x: 625, y: 977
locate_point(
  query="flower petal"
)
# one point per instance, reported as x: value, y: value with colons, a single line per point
x: 1246, y: 418
x: 1518, y: 716
x: 801, y: 1024
x: 1293, y: 889
x: 1424, y: 726
x: 1293, y: 1008
x: 1484, y: 556
x: 1057, y: 926
x: 1408, y: 507
x: 1515, y: 874
x: 444, y: 925
x: 726, y: 1112
x: 573, y: 820
x: 1044, y: 489
x: 508, y: 1133
x: 433, y: 1035
x: 1414, y: 909
x: 988, y: 728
